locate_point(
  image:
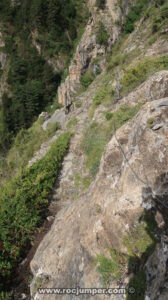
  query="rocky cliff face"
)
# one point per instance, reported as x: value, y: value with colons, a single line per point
x: 112, y: 231
x: 102, y: 216
x: 88, y: 48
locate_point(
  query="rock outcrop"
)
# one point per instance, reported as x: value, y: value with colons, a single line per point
x: 88, y: 48
x: 156, y: 87
x: 100, y: 218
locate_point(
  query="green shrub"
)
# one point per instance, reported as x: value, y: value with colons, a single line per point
x: 100, y: 95
x: 86, y: 79
x: 134, y: 15
x: 23, y: 206
x: 134, y: 76
x: 109, y: 116
x: 102, y: 35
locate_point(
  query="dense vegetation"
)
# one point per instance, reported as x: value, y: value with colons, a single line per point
x: 32, y: 82
x: 25, y: 144
x: 134, y: 15
x: 23, y: 206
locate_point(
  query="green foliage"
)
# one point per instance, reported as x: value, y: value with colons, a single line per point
x: 23, y: 206
x: 140, y: 243
x: 104, y: 95
x: 100, y: 96
x: 25, y: 144
x: 93, y: 145
x: 134, y: 15
x: 83, y: 182
x: 123, y: 115
x: 160, y: 19
x: 52, y: 128
x: 164, y: 11
x: 134, y: 76
x: 86, y: 79
x: 102, y: 35
x: 138, y: 283
x: 32, y: 82
x: 97, y: 136
x: 58, y: 20
x: 6, y: 296
x: 29, y: 94
x: 116, y: 60
x: 109, y: 116
x: 111, y: 268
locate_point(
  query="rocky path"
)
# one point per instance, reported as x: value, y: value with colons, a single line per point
x: 74, y: 162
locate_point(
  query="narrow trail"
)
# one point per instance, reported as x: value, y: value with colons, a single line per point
x: 64, y: 192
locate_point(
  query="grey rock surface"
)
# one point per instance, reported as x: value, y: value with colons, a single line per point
x: 80, y: 231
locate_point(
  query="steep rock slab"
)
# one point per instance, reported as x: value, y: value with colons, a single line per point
x: 99, y: 218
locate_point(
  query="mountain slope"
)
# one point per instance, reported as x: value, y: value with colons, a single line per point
x: 108, y: 205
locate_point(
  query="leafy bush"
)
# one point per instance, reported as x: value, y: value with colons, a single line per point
x: 23, y: 206
x: 102, y: 35
x: 86, y: 79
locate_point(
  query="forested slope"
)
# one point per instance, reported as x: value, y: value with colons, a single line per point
x: 31, y: 79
